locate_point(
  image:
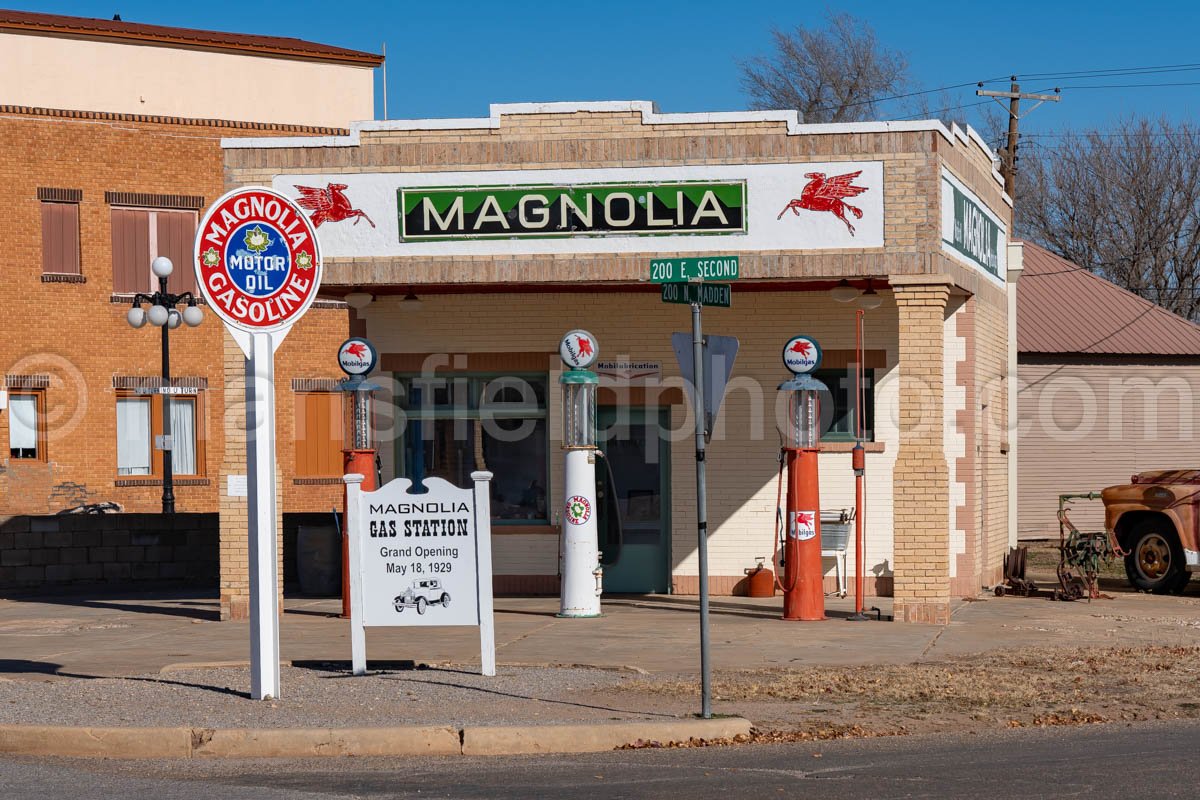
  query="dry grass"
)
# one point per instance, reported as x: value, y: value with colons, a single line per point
x: 1037, y: 687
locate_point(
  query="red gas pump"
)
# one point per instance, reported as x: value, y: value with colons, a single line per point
x: 804, y: 596
x: 356, y: 357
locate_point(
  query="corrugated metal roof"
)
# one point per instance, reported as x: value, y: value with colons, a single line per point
x: 1063, y: 308
x: 117, y: 29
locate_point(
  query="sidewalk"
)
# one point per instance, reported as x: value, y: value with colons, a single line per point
x: 165, y: 662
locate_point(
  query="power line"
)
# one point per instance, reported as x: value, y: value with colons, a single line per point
x: 926, y: 114
x: 1115, y: 71
x: 909, y: 94
x: 1131, y: 85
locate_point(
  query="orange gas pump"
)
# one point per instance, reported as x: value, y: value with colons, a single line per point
x: 357, y: 357
x: 804, y: 596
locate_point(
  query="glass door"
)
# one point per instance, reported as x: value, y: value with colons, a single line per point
x: 637, y: 556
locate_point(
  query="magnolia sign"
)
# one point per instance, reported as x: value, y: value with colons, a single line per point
x: 542, y: 210
x: 970, y: 232
x: 698, y: 209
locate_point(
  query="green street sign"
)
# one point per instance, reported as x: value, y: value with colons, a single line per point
x: 706, y: 294
x: 706, y: 268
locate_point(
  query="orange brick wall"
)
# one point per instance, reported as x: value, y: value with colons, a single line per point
x: 77, y: 335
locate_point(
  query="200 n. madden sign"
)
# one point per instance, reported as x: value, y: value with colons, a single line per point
x: 258, y: 262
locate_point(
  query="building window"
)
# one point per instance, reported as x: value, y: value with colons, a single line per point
x: 460, y: 423
x: 27, y: 424
x: 841, y: 424
x: 139, y: 420
x: 141, y: 235
x: 60, y: 231
x: 319, y: 434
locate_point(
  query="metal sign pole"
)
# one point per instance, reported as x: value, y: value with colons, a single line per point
x: 358, y: 635
x: 260, y: 468
x: 701, y: 512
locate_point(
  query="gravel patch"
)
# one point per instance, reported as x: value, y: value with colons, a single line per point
x: 327, y: 696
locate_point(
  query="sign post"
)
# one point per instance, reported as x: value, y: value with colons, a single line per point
x: 258, y: 265
x: 672, y: 274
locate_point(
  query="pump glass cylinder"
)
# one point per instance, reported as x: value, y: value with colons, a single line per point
x: 358, y: 420
x: 579, y: 414
x: 803, y: 428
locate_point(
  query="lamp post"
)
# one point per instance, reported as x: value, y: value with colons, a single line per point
x: 164, y: 314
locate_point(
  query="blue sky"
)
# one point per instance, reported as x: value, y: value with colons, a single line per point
x: 451, y: 59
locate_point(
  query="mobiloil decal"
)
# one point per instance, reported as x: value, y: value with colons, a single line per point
x: 561, y: 211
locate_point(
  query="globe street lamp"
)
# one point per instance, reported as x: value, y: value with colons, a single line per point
x: 164, y: 314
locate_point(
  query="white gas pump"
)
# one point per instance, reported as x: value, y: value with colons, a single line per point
x: 582, y: 574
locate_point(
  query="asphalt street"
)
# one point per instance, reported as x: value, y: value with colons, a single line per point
x: 1097, y: 762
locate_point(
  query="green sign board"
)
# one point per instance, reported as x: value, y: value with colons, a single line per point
x: 549, y: 211
x: 707, y: 294
x: 707, y: 268
x: 974, y: 234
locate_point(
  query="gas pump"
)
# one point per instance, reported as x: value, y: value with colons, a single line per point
x: 803, y: 595
x: 357, y: 357
x: 582, y: 575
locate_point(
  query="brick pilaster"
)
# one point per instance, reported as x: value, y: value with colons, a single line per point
x: 235, y: 527
x: 921, y: 477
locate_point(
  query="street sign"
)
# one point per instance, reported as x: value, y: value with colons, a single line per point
x: 705, y: 268
x: 719, y: 353
x: 706, y: 294
x: 171, y: 390
x: 258, y: 265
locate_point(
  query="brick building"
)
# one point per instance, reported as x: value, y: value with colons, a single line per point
x: 98, y: 182
x: 490, y: 238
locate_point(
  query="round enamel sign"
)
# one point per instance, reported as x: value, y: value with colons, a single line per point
x: 802, y: 355
x: 357, y: 356
x: 258, y: 262
x: 578, y: 349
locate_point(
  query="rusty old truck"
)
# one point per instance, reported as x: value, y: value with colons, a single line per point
x: 1155, y: 519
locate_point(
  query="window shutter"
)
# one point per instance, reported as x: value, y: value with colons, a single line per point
x: 130, y: 250
x: 319, y: 434
x: 60, y: 238
x: 176, y: 234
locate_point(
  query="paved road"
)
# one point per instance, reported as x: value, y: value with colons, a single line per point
x: 1098, y: 763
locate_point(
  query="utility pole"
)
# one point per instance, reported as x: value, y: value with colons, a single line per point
x: 1008, y: 162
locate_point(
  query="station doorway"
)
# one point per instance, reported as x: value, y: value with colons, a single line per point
x: 637, y: 558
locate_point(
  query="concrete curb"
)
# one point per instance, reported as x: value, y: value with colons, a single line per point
x: 143, y: 743
x: 498, y: 740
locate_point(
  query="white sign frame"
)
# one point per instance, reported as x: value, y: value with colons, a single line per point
x: 769, y: 190
x: 357, y: 530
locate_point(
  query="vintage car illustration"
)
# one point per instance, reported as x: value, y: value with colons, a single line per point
x: 1154, y: 518
x: 421, y: 594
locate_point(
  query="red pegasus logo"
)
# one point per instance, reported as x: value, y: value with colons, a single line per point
x: 329, y: 204
x: 802, y: 348
x: 826, y: 194
x: 803, y: 520
x: 357, y: 349
x: 585, y: 346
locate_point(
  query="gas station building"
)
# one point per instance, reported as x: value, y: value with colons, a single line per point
x: 468, y: 247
